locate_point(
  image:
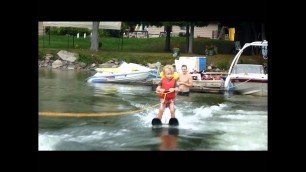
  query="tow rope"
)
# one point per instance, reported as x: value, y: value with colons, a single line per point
x: 97, y: 114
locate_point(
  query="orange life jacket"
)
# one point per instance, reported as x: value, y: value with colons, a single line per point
x: 166, y: 84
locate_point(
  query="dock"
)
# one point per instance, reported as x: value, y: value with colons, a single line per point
x: 203, y: 86
x: 199, y: 86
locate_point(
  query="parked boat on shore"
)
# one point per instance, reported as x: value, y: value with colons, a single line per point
x: 126, y: 72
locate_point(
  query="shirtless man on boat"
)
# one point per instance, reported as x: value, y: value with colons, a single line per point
x: 184, y: 82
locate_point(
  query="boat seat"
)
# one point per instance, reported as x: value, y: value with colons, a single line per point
x: 109, y: 70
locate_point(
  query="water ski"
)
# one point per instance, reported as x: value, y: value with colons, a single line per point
x: 165, y: 129
x: 157, y: 122
x: 173, y: 122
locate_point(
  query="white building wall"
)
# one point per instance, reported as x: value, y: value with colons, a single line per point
x: 198, y: 31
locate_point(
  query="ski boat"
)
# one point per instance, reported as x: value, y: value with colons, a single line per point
x: 248, y: 79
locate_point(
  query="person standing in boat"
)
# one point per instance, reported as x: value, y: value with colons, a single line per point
x: 167, y: 89
x: 184, y: 82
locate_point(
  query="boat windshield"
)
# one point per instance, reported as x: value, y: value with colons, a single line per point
x: 248, y: 68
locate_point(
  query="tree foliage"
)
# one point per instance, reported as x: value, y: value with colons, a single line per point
x: 246, y: 32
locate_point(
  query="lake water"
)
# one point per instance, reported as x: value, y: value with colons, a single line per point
x: 207, y: 121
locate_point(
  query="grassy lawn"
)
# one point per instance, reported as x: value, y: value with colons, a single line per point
x: 141, y: 51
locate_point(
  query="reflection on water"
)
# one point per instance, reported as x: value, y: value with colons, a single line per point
x: 207, y: 121
x: 168, y: 137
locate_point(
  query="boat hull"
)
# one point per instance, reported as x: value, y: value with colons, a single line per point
x: 250, y: 86
x: 120, y: 78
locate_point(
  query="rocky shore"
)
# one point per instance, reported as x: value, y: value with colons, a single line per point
x: 68, y: 60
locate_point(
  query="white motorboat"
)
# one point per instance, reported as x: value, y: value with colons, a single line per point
x: 248, y: 79
x: 126, y: 72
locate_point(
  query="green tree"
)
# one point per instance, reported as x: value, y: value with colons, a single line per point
x: 246, y: 32
x: 190, y: 33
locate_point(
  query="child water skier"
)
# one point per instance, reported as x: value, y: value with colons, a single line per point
x: 167, y: 89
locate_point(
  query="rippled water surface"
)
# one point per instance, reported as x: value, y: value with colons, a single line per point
x: 207, y: 121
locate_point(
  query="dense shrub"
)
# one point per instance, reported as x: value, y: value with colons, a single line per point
x: 86, y: 59
x: 223, y: 65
